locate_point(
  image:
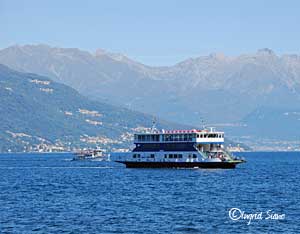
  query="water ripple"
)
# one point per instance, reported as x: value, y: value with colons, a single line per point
x: 51, y: 194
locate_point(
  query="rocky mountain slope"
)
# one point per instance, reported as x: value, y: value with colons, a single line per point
x: 37, y: 113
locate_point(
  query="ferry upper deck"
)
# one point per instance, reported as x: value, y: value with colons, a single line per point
x: 176, y: 136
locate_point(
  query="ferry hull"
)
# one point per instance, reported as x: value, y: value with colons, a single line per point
x: 220, y: 165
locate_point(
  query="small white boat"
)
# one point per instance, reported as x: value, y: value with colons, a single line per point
x: 88, y: 154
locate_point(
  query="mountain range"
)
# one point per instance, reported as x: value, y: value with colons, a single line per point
x: 38, y: 114
x: 217, y: 89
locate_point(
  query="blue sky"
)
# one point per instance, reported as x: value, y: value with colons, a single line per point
x: 154, y: 32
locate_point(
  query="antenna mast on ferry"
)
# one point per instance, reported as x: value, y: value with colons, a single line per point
x: 203, y: 123
x: 153, y: 128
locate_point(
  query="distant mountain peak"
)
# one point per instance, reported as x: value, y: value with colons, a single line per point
x: 266, y: 51
x: 100, y: 52
x: 218, y: 56
x: 30, y: 46
x: 116, y: 56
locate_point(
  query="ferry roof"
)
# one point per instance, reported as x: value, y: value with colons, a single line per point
x: 193, y: 135
x: 181, y: 131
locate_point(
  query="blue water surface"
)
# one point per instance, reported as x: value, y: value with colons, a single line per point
x: 49, y: 193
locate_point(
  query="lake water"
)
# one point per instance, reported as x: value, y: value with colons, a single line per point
x: 48, y: 193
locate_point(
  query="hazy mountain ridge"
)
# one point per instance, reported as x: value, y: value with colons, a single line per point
x: 37, y: 113
x: 270, y: 123
x: 218, y: 88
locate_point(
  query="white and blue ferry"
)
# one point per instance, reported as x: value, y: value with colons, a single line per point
x: 178, y: 149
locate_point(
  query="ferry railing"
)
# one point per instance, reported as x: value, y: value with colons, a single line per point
x: 203, y: 154
x: 228, y: 154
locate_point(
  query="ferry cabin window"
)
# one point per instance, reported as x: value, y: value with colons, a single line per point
x: 152, y: 155
x: 194, y: 156
x: 173, y: 155
x: 175, y: 138
x: 166, y: 137
x: 185, y: 137
x: 148, y: 137
x: 154, y: 137
x: 141, y: 137
x: 212, y: 135
x: 178, y: 137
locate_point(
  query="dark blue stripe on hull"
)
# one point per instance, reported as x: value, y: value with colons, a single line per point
x: 148, y: 147
x: 222, y: 165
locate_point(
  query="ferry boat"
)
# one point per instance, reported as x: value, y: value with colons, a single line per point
x: 178, y: 149
x: 88, y: 154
